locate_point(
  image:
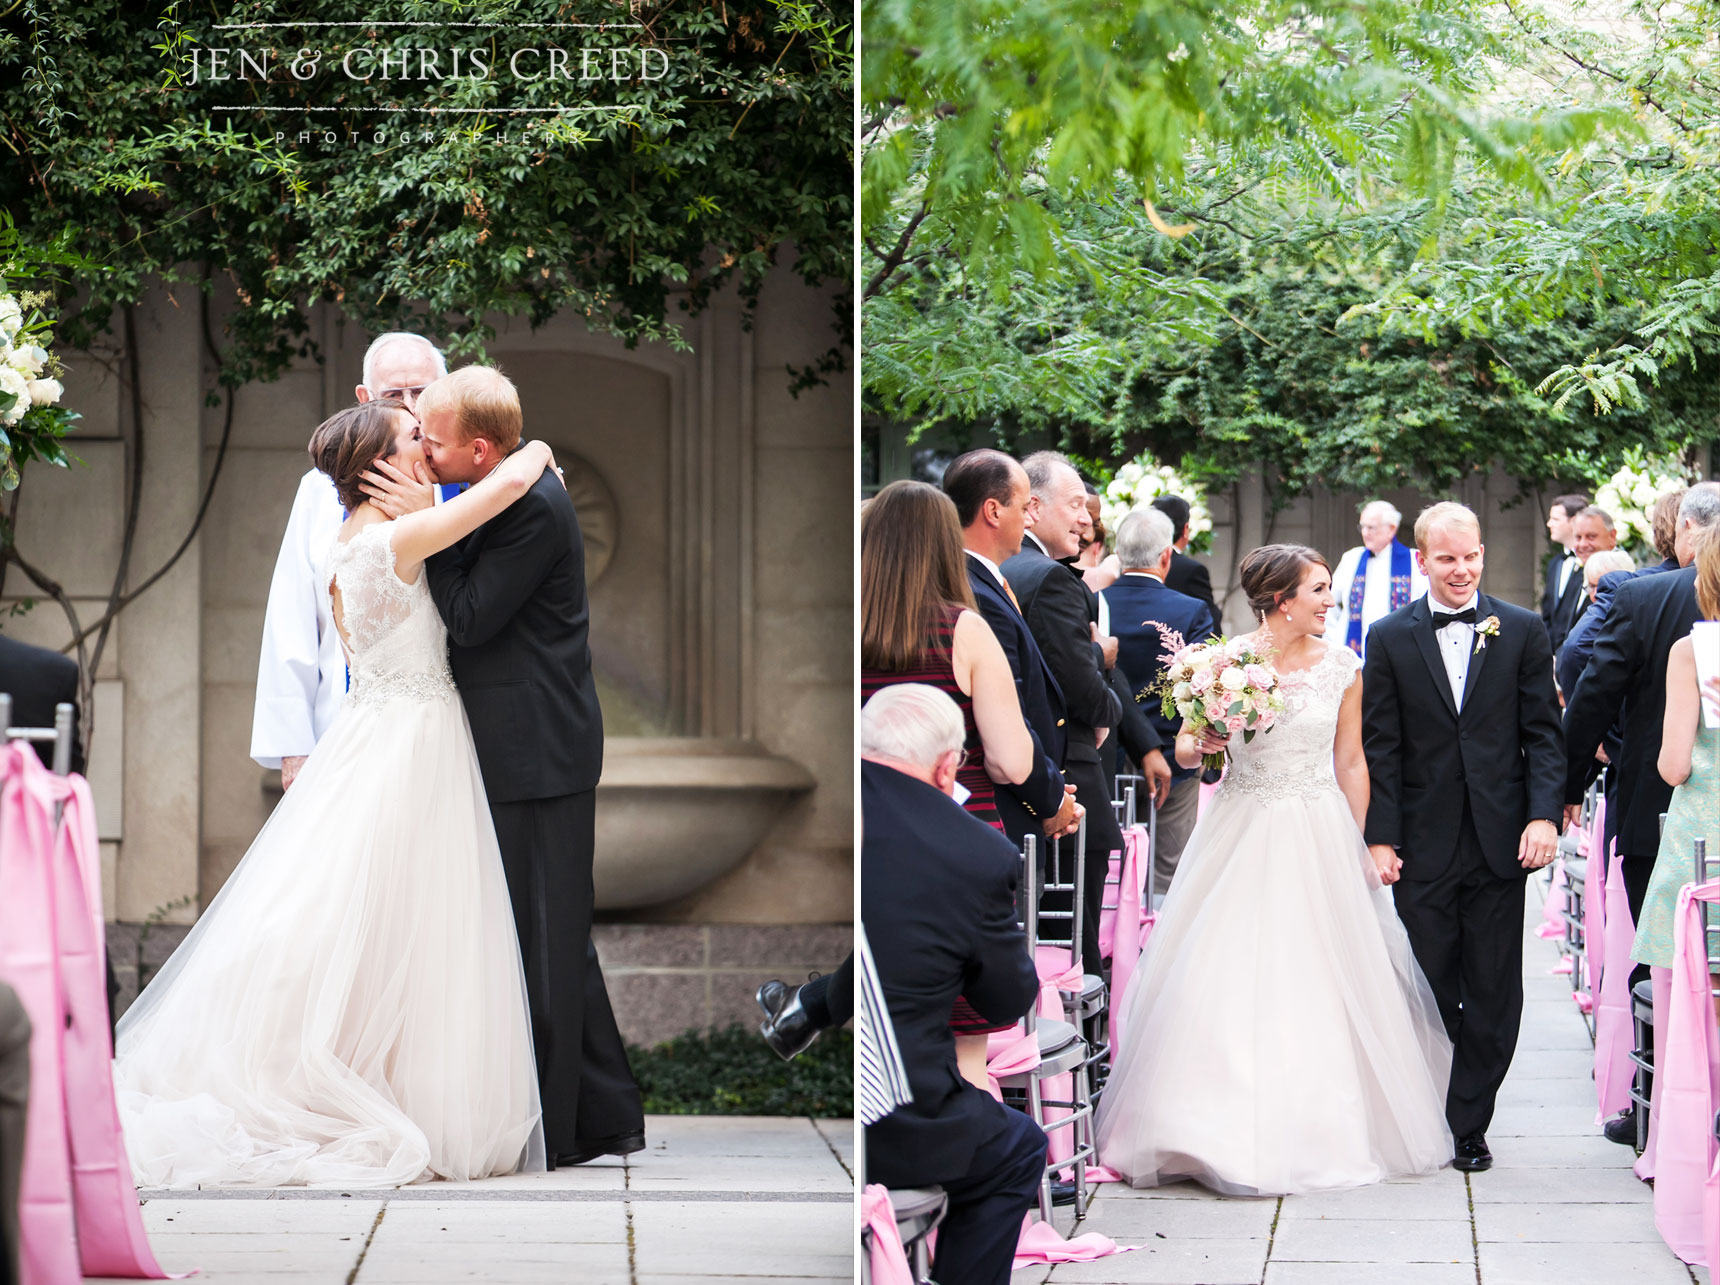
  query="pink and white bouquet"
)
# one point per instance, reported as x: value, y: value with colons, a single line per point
x: 1225, y: 683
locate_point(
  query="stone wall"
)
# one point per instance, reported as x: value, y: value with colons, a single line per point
x: 720, y: 594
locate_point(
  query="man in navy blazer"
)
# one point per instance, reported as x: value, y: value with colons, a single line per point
x: 1138, y: 602
x: 937, y: 901
x: 990, y: 492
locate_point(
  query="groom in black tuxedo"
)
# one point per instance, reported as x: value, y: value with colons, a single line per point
x: 1466, y: 763
x: 512, y: 595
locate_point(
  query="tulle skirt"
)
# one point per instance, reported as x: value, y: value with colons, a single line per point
x: 1279, y: 1036
x: 350, y: 1010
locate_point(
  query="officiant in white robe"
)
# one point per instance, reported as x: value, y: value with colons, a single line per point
x: 1372, y: 580
x: 301, y: 675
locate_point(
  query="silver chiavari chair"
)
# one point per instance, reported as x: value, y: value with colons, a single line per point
x: 1061, y: 1048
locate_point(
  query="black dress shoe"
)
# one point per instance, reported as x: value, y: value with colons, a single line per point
x: 1622, y: 1129
x: 622, y: 1144
x: 1472, y: 1154
x: 1062, y: 1193
x: 786, y: 1027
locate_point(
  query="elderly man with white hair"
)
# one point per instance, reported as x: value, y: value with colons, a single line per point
x: 937, y: 901
x: 1374, y: 579
x: 301, y: 676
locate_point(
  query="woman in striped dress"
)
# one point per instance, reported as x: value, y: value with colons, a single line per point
x: 918, y: 624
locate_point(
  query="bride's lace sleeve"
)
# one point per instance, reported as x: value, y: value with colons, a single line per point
x: 373, y: 599
x: 1349, y: 665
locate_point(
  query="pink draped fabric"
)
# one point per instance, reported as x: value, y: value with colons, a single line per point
x: 1552, y: 925
x: 1057, y: 974
x: 1613, y: 1033
x: 1008, y: 1053
x: 78, y: 1211
x: 889, y: 1261
x: 1131, y: 925
x: 1042, y: 1244
x: 1687, y: 1089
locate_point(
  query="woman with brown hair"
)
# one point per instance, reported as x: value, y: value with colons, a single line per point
x: 918, y: 624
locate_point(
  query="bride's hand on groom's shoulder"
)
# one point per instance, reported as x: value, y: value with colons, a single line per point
x: 549, y: 463
x: 397, y: 493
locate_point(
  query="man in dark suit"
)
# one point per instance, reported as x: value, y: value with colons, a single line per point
x: 38, y: 680
x: 1460, y: 725
x: 990, y: 492
x: 1139, y: 603
x: 1059, y: 611
x: 1592, y: 532
x: 1563, y: 563
x: 937, y: 901
x: 1187, y: 575
x: 1626, y: 680
x: 512, y: 595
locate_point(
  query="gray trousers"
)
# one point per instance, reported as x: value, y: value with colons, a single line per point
x: 14, y: 1094
x: 1176, y: 823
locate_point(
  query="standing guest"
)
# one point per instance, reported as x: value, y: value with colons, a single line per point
x: 1061, y: 614
x: 937, y: 904
x: 301, y: 675
x: 1374, y: 579
x: 1563, y: 563
x: 1664, y: 524
x: 1592, y: 532
x: 990, y: 492
x: 1187, y: 575
x: 1088, y: 561
x: 918, y: 624
x: 1140, y: 606
x: 1625, y: 681
x: 1574, y: 655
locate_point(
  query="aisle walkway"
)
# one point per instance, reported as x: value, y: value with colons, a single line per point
x: 1560, y: 1204
x: 711, y: 1198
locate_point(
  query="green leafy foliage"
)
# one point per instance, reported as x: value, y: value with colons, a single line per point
x: 634, y: 214
x: 734, y: 1072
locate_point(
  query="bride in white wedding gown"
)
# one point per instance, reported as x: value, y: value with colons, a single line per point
x: 350, y: 1010
x: 1279, y: 1036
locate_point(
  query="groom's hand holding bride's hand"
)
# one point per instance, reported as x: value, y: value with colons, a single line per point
x: 396, y: 493
x: 1386, y: 861
x: 1538, y: 846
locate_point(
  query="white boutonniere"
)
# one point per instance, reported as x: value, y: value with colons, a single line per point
x: 1488, y: 628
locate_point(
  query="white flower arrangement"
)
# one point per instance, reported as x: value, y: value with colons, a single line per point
x: 29, y: 381
x: 1628, y: 497
x: 1142, y: 480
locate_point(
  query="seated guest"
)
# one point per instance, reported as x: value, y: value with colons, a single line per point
x: 39, y: 680
x: 1574, y: 655
x: 918, y: 624
x: 937, y: 903
x: 14, y: 1097
x: 1139, y: 603
x: 1187, y: 575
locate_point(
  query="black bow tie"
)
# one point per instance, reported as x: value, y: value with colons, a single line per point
x: 1464, y: 617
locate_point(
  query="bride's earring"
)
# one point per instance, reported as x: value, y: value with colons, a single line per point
x: 1288, y: 617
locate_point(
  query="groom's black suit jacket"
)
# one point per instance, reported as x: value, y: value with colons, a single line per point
x: 1626, y: 681
x: 512, y: 595
x: 1504, y: 753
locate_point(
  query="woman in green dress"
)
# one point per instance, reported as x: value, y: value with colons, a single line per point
x: 1689, y: 762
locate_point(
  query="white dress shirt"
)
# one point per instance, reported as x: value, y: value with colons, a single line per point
x: 1456, y: 646
x: 1376, y: 593
x: 989, y: 565
x: 1570, y: 563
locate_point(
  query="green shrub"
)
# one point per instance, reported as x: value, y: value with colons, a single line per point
x: 734, y: 1072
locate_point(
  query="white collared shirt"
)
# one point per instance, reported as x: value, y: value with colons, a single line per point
x: 1038, y: 543
x: 1571, y: 563
x: 989, y: 565
x: 1456, y: 646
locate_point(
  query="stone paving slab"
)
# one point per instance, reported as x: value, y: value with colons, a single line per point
x: 1559, y: 1207
x: 710, y: 1199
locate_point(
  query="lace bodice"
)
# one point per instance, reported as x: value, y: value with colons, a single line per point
x: 396, y: 644
x: 1294, y: 758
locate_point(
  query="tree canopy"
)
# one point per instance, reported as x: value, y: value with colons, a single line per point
x: 421, y: 200
x: 1366, y: 246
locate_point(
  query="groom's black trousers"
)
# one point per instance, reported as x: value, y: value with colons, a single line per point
x: 1466, y: 928
x: 588, y: 1089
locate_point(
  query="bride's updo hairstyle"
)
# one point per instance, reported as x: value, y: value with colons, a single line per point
x: 1274, y: 572
x: 348, y: 442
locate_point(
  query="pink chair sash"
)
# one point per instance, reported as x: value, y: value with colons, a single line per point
x: 1686, y: 1090
x: 1553, y: 909
x: 1132, y: 925
x: 889, y: 1260
x: 1613, y: 1033
x: 1041, y: 1244
x: 1008, y: 1053
x: 77, y: 1206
